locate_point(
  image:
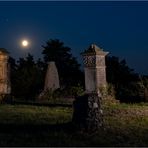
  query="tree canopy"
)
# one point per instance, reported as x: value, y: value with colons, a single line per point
x: 26, y: 77
x: 67, y: 65
x: 128, y: 85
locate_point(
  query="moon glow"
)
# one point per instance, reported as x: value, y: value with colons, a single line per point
x: 25, y: 43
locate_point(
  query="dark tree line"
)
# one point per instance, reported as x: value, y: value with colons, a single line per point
x: 67, y: 65
x: 27, y: 75
x: 129, y: 86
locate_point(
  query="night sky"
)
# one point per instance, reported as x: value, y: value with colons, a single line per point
x: 118, y: 27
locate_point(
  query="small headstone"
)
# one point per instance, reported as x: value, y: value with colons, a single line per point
x: 87, y: 113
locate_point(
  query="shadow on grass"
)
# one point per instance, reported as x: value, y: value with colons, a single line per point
x: 36, y: 135
x: 66, y: 127
x: 40, y: 104
x: 66, y: 135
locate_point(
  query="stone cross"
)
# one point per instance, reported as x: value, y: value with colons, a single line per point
x: 5, y: 87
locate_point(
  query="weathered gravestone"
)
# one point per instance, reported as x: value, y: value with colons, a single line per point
x: 87, y: 109
x: 5, y: 88
x: 51, y: 80
x: 52, y: 77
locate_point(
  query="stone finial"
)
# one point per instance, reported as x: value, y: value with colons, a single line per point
x: 94, y: 50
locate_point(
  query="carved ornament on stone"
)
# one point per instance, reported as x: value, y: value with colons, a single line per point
x: 89, y: 61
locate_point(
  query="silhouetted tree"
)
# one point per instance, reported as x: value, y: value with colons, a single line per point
x: 126, y: 82
x: 26, y: 77
x: 118, y: 71
x: 13, y: 76
x: 67, y: 65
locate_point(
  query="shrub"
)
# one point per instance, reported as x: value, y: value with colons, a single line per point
x: 61, y: 95
x: 108, y: 94
x: 76, y: 90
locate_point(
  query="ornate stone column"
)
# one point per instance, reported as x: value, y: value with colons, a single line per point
x: 87, y: 109
x: 94, y: 68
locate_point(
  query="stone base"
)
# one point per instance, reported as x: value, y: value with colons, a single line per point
x: 87, y: 112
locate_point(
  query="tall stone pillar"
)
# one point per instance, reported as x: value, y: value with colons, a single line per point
x: 94, y: 68
x: 88, y: 108
x: 5, y: 87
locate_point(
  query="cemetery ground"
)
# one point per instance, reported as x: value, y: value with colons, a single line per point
x: 31, y: 125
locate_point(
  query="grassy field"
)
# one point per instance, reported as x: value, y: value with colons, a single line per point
x: 27, y: 125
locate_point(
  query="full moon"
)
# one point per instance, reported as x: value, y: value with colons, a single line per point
x: 25, y: 43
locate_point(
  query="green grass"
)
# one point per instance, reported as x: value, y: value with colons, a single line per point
x: 26, y: 125
x: 129, y: 123
x: 27, y: 114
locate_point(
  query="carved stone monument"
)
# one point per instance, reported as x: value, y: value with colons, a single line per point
x: 88, y: 111
x: 52, y: 77
x: 95, y: 68
x: 51, y: 81
x: 5, y: 88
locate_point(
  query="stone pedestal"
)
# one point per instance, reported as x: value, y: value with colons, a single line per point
x: 95, y: 112
x: 87, y: 113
